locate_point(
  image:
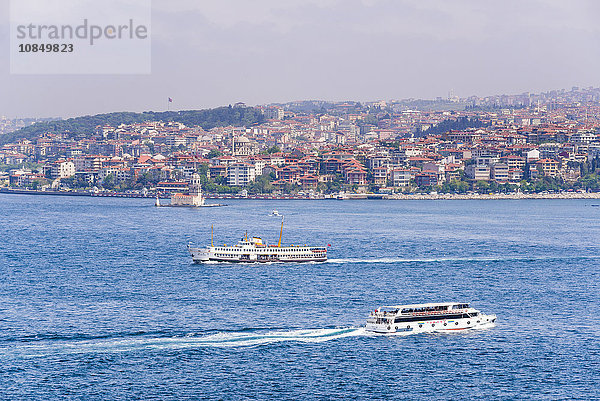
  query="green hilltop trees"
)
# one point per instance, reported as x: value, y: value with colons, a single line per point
x: 81, y: 127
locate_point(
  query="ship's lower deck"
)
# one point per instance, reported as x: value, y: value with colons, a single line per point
x: 270, y: 260
x: 260, y: 255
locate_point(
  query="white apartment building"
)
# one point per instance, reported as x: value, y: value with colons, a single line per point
x: 274, y: 113
x: 240, y: 174
x: 62, y: 169
x: 499, y: 172
x: 400, y: 177
x: 478, y: 172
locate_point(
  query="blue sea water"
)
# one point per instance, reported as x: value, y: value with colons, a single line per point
x: 99, y: 300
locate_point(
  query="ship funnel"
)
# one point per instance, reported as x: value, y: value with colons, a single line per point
x: 280, y: 233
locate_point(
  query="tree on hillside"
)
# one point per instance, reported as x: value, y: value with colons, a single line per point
x: 85, y: 126
x: 262, y: 184
x: 273, y: 149
x: 213, y: 154
x: 108, y: 182
x: 459, y: 124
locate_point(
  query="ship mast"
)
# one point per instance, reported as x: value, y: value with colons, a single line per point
x: 280, y: 233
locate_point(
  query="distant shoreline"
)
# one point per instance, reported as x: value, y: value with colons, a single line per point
x: 517, y: 196
x: 151, y: 195
x: 513, y: 196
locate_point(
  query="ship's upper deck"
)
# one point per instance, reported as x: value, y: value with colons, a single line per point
x: 427, y: 307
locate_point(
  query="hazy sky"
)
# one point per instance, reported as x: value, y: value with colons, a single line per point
x: 210, y: 53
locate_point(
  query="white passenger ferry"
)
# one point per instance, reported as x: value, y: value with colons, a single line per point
x: 447, y: 316
x: 252, y: 250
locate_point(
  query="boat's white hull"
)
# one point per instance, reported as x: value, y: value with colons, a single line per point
x: 428, y: 326
x: 204, y: 255
x: 192, y: 206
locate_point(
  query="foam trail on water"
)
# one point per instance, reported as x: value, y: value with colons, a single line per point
x: 218, y: 340
x: 459, y: 259
x: 306, y: 336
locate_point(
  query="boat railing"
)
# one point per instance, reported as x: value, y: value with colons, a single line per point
x: 420, y: 313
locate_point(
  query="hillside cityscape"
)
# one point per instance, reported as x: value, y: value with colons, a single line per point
x: 527, y: 143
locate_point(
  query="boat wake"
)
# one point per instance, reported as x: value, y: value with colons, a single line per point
x: 234, y: 339
x: 238, y: 339
x: 460, y: 259
x: 190, y: 341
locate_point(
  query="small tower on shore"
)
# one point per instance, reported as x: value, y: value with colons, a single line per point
x: 196, y: 190
x: 193, y: 197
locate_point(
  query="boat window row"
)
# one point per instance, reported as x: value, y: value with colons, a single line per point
x: 403, y: 319
x: 229, y: 255
x: 435, y: 308
x: 285, y: 250
x: 276, y: 250
x: 460, y: 306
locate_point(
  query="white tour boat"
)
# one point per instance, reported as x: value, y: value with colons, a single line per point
x: 432, y: 317
x: 252, y: 250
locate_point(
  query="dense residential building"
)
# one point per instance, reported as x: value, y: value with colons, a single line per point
x: 345, y: 146
x: 240, y: 174
x: 478, y: 172
x: 426, y: 179
x: 62, y: 169
x: 401, y: 177
x: 499, y: 172
x: 549, y: 167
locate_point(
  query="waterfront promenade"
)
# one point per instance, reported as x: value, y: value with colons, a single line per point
x: 519, y: 195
